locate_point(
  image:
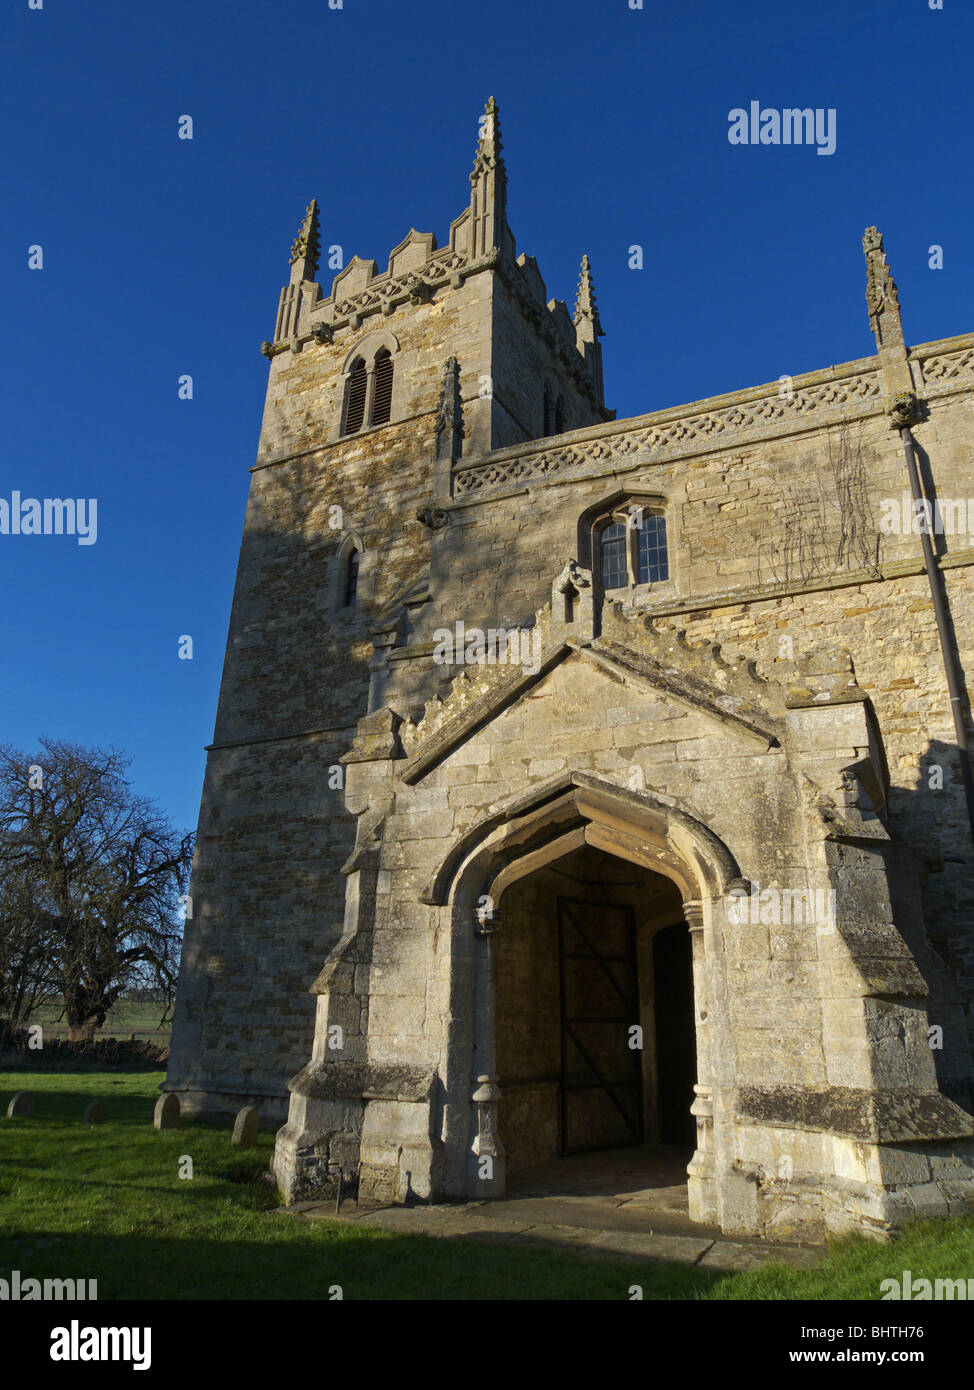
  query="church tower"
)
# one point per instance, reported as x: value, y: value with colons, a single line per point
x: 560, y: 798
x: 377, y: 389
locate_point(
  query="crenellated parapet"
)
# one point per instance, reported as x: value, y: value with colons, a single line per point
x: 420, y: 272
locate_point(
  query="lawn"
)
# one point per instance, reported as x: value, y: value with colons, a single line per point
x: 127, y: 1019
x: 108, y: 1203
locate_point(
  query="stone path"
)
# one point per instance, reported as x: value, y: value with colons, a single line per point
x: 625, y: 1204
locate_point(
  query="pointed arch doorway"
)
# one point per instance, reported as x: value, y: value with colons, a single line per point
x: 594, y: 1028
x: 690, y: 870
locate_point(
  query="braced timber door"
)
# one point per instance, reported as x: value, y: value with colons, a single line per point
x: 601, y: 1075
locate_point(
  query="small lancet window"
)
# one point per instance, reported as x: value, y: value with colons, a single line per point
x: 358, y: 381
x: 549, y: 411
x: 351, y: 579
x: 571, y: 597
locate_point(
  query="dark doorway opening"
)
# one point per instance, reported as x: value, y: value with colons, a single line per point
x: 594, y: 1022
x: 676, y: 1047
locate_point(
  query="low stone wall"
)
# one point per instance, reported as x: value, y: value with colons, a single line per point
x: 58, y: 1054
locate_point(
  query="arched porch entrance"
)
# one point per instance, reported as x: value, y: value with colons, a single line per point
x: 594, y: 1025
x: 668, y: 870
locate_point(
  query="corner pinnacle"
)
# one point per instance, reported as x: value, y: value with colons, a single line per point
x: 307, y: 243
x: 585, y: 305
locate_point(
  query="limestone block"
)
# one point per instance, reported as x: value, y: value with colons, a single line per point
x: 927, y: 1199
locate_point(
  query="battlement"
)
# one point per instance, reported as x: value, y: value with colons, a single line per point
x: 529, y: 366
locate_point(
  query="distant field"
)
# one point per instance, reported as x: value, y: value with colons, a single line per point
x: 126, y: 1020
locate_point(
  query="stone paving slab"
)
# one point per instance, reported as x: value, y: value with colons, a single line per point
x: 396, y: 1216
x: 736, y: 1255
x: 670, y: 1198
x: 681, y: 1249
x: 605, y: 1214
x: 559, y: 1235
x: 483, y: 1222
x: 570, y: 1211
x: 464, y: 1226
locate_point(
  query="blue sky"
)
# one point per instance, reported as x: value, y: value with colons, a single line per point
x: 164, y: 256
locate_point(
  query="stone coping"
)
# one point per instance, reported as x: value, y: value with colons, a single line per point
x: 900, y: 1115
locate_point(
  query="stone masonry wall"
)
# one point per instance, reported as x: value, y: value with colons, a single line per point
x: 267, y: 893
x: 773, y: 547
x: 523, y: 360
x: 775, y: 540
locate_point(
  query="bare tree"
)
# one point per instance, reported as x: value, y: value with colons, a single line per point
x: 106, y: 868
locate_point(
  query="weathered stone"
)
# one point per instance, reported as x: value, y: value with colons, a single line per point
x: 20, y: 1105
x: 245, y: 1127
x: 96, y: 1112
x: 667, y: 688
x: 166, y: 1113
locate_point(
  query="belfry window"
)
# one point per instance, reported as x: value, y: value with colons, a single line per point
x: 382, y: 388
x: 358, y: 383
x: 368, y: 392
x: 632, y: 548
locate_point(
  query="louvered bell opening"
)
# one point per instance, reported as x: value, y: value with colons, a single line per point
x: 355, y: 404
x: 382, y: 399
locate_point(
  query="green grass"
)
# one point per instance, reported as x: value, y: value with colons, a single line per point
x: 107, y: 1203
x: 126, y: 1018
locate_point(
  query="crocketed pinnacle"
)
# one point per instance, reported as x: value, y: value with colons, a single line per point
x: 307, y: 243
x: 585, y: 305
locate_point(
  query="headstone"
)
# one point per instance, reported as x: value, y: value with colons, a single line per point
x: 21, y: 1105
x: 166, y: 1114
x: 245, y: 1127
x: 96, y: 1113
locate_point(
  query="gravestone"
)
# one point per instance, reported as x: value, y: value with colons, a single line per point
x: 96, y: 1113
x: 21, y: 1105
x: 166, y: 1114
x: 245, y: 1127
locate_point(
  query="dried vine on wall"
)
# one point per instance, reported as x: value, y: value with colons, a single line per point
x: 823, y: 523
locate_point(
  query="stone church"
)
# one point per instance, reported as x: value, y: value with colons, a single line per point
x: 581, y: 782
